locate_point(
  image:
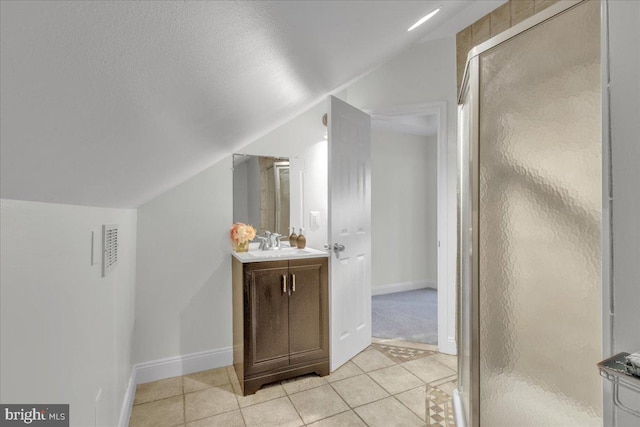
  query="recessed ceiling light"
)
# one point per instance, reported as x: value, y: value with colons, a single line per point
x: 424, y: 19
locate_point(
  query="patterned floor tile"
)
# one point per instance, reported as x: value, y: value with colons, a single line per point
x: 439, y: 408
x: 402, y: 354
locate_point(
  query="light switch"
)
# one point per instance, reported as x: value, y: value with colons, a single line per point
x: 314, y: 220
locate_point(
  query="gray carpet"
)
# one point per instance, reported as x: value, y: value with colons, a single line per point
x: 406, y: 316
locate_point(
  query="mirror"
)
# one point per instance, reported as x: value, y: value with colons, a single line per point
x: 261, y: 192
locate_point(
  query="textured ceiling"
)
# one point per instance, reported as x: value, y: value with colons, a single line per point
x: 110, y: 103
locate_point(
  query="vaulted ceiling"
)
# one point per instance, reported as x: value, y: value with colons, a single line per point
x: 110, y: 103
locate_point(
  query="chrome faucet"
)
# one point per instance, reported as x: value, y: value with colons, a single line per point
x: 274, y: 241
x: 269, y: 241
x: 263, y: 243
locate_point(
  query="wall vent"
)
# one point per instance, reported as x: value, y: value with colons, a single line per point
x: 109, y: 248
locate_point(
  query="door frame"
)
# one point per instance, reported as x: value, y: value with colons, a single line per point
x: 446, y: 211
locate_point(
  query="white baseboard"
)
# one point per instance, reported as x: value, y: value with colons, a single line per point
x: 171, y: 367
x: 182, y: 365
x: 402, y: 287
x: 127, y: 402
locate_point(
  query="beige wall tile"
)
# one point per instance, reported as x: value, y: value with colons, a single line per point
x: 543, y: 4
x: 521, y: 10
x: 481, y: 30
x: 499, y: 29
x: 463, y: 45
x: 463, y: 40
x: 520, y: 6
x: 501, y: 17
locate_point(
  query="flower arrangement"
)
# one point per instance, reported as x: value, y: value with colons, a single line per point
x: 240, y: 235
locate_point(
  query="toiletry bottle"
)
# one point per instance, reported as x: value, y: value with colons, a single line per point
x: 293, y: 238
x: 301, y: 241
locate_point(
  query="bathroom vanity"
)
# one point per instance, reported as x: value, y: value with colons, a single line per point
x: 280, y: 315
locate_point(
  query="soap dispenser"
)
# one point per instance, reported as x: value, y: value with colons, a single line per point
x: 301, y: 241
x: 293, y: 238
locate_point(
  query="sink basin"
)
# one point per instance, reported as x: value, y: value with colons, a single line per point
x: 256, y: 255
x: 280, y: 253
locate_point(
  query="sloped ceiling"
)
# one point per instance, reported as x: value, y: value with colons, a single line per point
x: 110, y: 103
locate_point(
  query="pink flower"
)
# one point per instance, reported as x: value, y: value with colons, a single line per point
x: 241, y: 233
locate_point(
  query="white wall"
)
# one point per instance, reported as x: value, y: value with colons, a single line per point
x: 183, y: 290
x: 404, y: 207
x: 624, y: 32
x: 183, y: 294
x: 66, y: 331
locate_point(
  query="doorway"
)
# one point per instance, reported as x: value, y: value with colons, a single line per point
x: 404, y: 238
x: 412, y: 300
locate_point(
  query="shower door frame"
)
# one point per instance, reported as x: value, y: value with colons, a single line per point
x: 469, y: 93
x: 469, y: 96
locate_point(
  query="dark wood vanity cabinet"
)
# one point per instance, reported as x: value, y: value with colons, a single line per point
x: 280, y: 320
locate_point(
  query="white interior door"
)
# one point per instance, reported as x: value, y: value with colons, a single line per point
x: 349, y: 230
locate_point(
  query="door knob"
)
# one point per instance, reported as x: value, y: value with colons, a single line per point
x: 337, y: 248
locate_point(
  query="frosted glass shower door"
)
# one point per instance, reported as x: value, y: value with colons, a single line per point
x: 539, y: 284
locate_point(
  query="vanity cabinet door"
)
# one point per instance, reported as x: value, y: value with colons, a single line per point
x: 267, y: 320
x: 308, y: 310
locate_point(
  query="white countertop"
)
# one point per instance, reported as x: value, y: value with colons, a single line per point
x: 283, y: 254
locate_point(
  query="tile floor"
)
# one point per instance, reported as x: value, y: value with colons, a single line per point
x: 385, y: 385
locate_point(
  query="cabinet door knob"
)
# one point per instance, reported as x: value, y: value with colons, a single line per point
x: 293, y: 283
x: 284, y: 283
